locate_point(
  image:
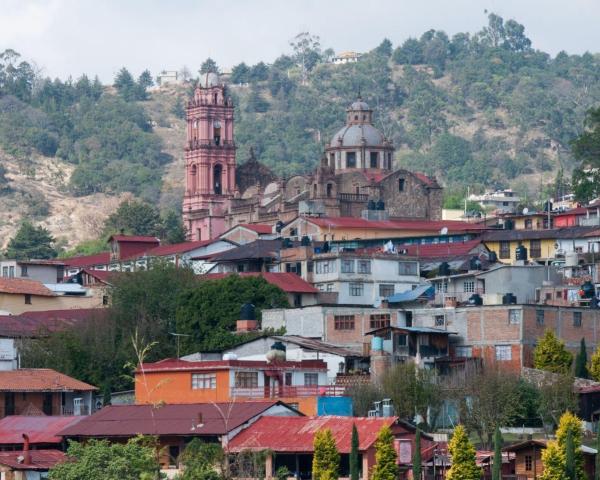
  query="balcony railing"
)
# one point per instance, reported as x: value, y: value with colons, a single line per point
x: 289, y: 391
x: 353, y: 197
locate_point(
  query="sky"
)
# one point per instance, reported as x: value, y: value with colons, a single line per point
x: 71, y: 37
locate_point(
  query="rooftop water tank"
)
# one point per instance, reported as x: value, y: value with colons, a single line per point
x: 377, y: 344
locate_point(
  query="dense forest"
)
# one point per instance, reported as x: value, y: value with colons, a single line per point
x: 484, y: 110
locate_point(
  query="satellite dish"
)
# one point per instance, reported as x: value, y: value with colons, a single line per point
x: 525, y: 211
x: 444, y: 231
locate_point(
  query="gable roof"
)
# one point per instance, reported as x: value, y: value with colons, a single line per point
x: 134, y: 238
x: 296, y: 434
x: 170, y: 419
x: 176, y: 248
x: 23, y: 286
x: 41, y: 460
x: 102, y: 258
x: 442, y: 250
x: 286, y: 281
x: 254, y: 250
x: 40, y: 380
x: 420, y: 225
x: 40, y: 429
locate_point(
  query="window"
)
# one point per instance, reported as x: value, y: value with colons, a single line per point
x: 441, y: 287
x: 24, y: 271
x: 464, y: 351
x: 104, y: 299
x: 325, y: 267
x: 380, y: 320
x: 503, y: 352
x: 343, y: 322
x: 577, y: 319
x: 528, y: 224
x: 311, y: 379
x: 401, y: 183
x: 407, y: 268
x: 246, y: 379
x: 386, y: 290
x: 528, y: 463
x: 27, y: 299
x: 294, y: 268
x: 297, y: 300
x: 350, y: 159
x: 504, y: 249
x: 5, y: 271
x: 539, y: 317
x: 440, y: 320
x: 364, y: 266
x: 202, y: 381
x: 11, y: 272
x: 514, y: 316
x: 356, y: 289
x: 402, y: 340
x: 309, y: 267
x: 329, y: 189
x: 330, y: 287
x: 535, y: 248
x: 469, y: 286
x: 347, y: 266
x: 374, y: 160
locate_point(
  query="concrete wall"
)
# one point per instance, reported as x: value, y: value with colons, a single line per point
x: 306, y: 322
x: 15, y: 303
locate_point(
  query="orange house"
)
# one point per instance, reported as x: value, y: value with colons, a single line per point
x: 177, y: 381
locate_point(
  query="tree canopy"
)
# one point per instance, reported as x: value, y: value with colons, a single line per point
x: 326, y: 458
x: 31, y: 242
x: 550, y: 354
x: 462, y: 452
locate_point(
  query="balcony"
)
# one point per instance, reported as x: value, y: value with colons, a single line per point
x: 288, y: 391
x: 353, y: 197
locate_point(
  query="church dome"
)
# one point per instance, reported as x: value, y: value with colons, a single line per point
x: 353, y: 135
x: 359, y: 105
x: 211, y: 79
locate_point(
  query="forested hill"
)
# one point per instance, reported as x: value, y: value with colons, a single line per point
x: 482, y: 110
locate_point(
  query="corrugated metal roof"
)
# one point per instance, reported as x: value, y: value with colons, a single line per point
x: 174, y: 364
x: 88, y: 260
x: 134, y: 238
x: 410, y: 295
x: 319, y: 346
x: 41, y: 429
x: 441, y: 250
x: 288, y: 282
x: 296, y: 434
x: 411, y: 329
x: 175, y: 248
x: 41, y: 460
x: 514, y: 235
x: 195, y: 419
x: 32, y: 324
x: 408, y: 225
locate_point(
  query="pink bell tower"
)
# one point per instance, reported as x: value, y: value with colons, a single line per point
x: 209, y: 160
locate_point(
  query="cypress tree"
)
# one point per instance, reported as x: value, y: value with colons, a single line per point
x: 354, y: 464
x: 386, y: 467
x: 416, y: 460
x: 497, y: 467
x: 464, y: 460
x: 326, y: 459
x: 581, y: 370
x: 570, y: 457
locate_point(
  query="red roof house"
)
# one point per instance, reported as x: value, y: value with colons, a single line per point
x: 29, y: 461
x: 41, y: 429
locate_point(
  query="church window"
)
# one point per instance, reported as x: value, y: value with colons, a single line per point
x: 401, y: 183
x: 357, y: 189
x: 374, y: 159
x: 329, y: 189
x: 217, y: 132
x: 350, y: 159
x: 331, y: 159
x: 217, y: 174
x: 355, y: 117
x: 364, y: 117
x: 215, y: 98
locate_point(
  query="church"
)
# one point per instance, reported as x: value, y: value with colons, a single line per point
x: 355, y: 177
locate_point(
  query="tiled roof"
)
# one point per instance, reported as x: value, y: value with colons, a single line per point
x: 288, y: 282
x: 183, y: 247
x: 259, y: 228
x: 296, y: 434
x: 41, y: 460
x: 408, y: 225
x: 170, y: 419
x: 441, y: 250
x: 88, y: 260
x: 23, y: 286
x: 425, y: 179
x: 177, y: 365
x: 134, y: 238
x: 39, y: 380
x: 40, y: 429
x: 257, y: 249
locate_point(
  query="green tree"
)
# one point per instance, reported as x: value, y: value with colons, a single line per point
x: 256, y: 102
x: 209, y: 66
x: 326, y: 458
x: 354, y: 460
x: 258, y: 72
x: 462, y: 452
x: 201, y: 461
x: 31, y: 242
x: 125, y: 85
x: 570, y: 426
x: 594, y: 367
x: 416, y: 460
x: 134, y: 460
x: 145, y: 79
x: 550, y: 354
x: 240, y: 73
x: 581, y: 370
x: 497, y: 466
x: 556, y: 396
x: 570, y: 457
x: 385, y: 467
x: 133, y: 217
x: 553, y: 461
x: 172, y: 228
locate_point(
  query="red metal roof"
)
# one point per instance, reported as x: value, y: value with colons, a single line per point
x: 288, y: 282
x: 33, y: 324
x: 174, y: 364
x: 40, y: 380
x: 170, y: 419
x: 409, y: 225
x: 296, y: 434
x: 102, y: 258
x: 102, y: 275
x: 441, y: 249
x: 425, y: 179
x: 134, y: 238
x: 41, y: 429
x: 42, y: 460
x: 23, y: 286
x: 177, y: 248
x: 259, y: 228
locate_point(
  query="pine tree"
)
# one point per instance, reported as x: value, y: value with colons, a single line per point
x: 570, y: 457
x: 553, y: 461
x: 462, y: 451
x: 570, y: 424
x: 581, y: 370
x: 326, y: 459
x: 416, y: 460
x: 594, y: 368
x: 31, y: 242
x: 354, y: 463
x: 385, y: 456
x: 551, y: 355
x: 497, y: 467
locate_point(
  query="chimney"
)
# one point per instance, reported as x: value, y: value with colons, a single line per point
x: 199, y: 423
x: 247, y: 321
x: 26, y: 452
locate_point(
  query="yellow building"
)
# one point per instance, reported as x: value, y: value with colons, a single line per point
x: 541, y: 245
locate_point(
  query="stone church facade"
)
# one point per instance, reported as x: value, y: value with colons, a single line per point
x: 355, y: 177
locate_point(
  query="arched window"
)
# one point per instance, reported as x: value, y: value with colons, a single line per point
x: 215, y: 98
x: 217, y: 176
x: 329, y: 189
x: 217, y: 132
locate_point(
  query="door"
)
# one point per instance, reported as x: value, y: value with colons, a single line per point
x: 9, y: 403
x: 47, y: 404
